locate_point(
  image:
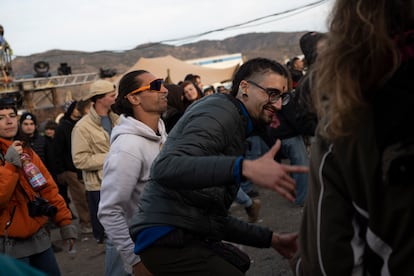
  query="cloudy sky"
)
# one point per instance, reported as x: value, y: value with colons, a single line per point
x: 35, y: 26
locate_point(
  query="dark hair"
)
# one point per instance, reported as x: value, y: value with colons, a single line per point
x: 50, y: 124
x: 175, y: 96
x: 199, y: 92
x: 256, y: 66
x: 308, y: 44
x: 209, y: 88
x: 191, y: 77
x: 97, y: 97
x: 129, y: 82
x: 70, y: 108
x: 82, y: 106
x: 8, y: 103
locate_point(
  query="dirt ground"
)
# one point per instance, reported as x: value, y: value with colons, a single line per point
x: 276, y: 213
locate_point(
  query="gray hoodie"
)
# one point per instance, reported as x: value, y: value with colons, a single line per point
x: 134, y: 146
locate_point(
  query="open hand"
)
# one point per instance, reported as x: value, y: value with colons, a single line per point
x: 268, y: 173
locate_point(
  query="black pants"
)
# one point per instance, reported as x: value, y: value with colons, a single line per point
x: 191, y: 259
x: 93, y: 203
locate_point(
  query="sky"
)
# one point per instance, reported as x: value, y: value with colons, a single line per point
x: 36, y: 26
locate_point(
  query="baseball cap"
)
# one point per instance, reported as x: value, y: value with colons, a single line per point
x: 99, y: 87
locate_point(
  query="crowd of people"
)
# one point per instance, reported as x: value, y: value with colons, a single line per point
x: 152, y: 169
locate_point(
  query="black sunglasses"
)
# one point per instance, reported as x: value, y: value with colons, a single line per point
x: 155, y: 85
x: 274, y: 93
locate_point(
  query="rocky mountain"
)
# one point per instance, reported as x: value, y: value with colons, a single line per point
x: 275, y: 45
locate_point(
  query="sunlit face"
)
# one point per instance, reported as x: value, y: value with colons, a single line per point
x: 190, y: 92
x: 8, y: 123
x: 28, y: 127
x: 152, y: 101
x: 108, y: 100
x: 257, y: 103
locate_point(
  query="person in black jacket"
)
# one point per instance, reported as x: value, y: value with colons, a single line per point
x: 183, y: 216
x: 67, y: 174
x: 29, y: 134
x: 359, y: 217
x: 293, y: 146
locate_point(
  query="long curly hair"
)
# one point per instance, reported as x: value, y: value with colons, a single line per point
x: 360, y: 55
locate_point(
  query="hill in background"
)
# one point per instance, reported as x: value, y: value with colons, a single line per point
x: 275, y: 45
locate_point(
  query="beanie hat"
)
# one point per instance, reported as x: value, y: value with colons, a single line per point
x: 99, y: 87
x: 28, y: 116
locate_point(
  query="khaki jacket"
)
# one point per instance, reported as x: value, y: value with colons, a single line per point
x: 90, y: 145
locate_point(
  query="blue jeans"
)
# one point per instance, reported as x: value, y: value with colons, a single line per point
x: 44, y: 261
x: 114, y: 264
x: 242, y: 198
x: 256, y: 147
x: 295, y: 150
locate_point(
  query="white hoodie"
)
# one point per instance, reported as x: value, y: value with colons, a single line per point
x: 134, y: 147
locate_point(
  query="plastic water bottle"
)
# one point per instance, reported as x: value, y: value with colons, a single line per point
x: 32, y: 173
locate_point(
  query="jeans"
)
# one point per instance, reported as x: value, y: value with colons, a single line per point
x: 114, y: 264
x: 256, y: 147
x: 243, y: 199
x: 295, y: 150
x: 44, y: 261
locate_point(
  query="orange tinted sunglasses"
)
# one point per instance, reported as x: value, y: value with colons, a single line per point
x: 155, y: 85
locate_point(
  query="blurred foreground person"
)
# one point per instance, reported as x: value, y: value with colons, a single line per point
x: 25, y: 211
x: 69, y: 177
x: 183, y: 213
x: 135, y: 143
x: 359, y: 213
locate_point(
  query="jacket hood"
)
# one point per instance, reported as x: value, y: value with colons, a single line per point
x: 69, y: 110
x: 129, y: 125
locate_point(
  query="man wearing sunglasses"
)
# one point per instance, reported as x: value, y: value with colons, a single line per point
x: 135, y: 142
x: 183, y: 213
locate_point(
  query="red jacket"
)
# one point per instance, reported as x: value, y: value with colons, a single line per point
x: 16, y: 192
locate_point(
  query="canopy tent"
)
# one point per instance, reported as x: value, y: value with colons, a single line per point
x: 178, y: 69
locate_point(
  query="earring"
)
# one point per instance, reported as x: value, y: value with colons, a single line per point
x: 243, y: 93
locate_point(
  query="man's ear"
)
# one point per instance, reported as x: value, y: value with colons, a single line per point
x: 243, y: 86
x: 134, y: 99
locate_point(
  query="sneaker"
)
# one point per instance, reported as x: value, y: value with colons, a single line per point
x: 253, y: 211
x: 85, y: 230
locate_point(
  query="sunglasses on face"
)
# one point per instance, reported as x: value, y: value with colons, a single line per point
x: 155, y: 85
x: 273, y: 93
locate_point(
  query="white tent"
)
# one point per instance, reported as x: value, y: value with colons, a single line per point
x: 178, y: 69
